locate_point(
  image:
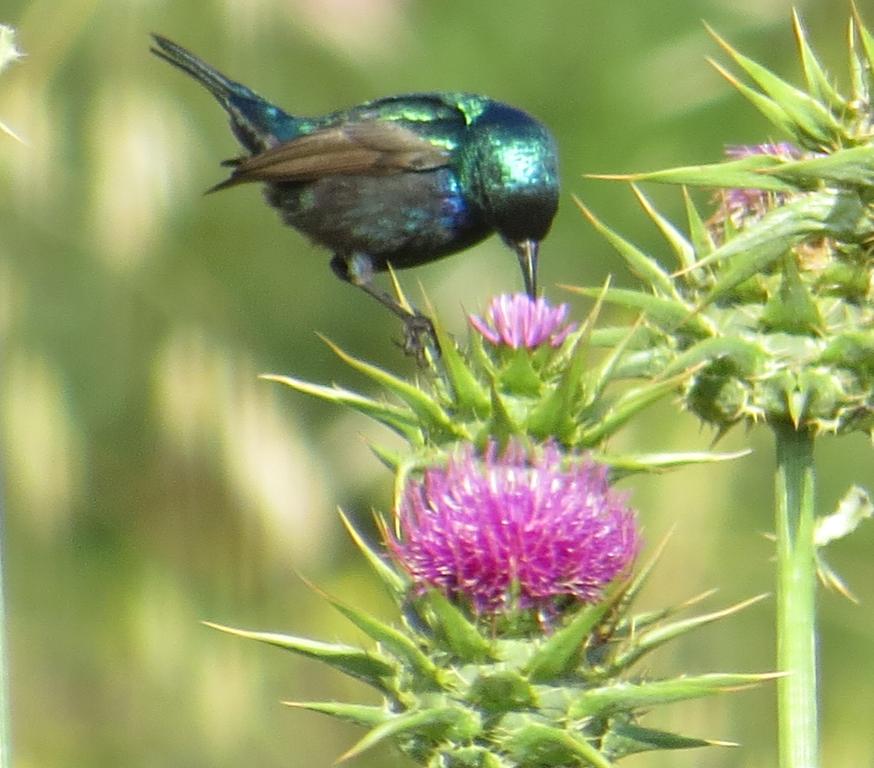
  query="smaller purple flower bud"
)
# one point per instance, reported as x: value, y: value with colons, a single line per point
x: 505, y: 532
x: 782, y: 149
x: 745, y: 206
x: 517, y: 321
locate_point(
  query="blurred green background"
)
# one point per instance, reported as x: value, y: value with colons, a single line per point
x: 152, y: 481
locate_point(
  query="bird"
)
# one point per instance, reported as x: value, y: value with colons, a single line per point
x: 394, y: 182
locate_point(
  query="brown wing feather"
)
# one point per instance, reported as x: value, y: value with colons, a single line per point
x: 367, y: 148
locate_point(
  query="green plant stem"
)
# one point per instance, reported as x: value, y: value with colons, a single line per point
x: 796, y: 599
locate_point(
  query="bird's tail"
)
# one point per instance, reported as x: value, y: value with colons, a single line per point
x: 254, y: 120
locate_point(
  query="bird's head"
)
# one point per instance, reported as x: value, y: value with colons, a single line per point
x: 513, y: 168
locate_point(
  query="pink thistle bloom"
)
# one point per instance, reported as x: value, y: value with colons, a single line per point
x: 745, y: 206
x: 783, y: 149
x: 517, y: 321
x: 505, y: 532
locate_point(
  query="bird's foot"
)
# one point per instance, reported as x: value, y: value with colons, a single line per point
x: 420, y: 339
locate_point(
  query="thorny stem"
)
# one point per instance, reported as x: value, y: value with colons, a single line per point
x: 796, y: 599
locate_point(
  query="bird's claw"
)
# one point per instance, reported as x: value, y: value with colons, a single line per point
x: 420, y: 337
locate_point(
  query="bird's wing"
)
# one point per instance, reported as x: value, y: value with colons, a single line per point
x: 370, y: 148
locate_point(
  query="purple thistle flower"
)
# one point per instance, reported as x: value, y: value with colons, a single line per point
x: 745, y: 206
x: 517, y: 321
x: 783, y: 149
x: 505, y: 532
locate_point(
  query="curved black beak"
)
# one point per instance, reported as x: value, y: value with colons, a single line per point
x: 527, y: 251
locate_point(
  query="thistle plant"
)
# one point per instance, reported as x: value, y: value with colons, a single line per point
x: 510, y: 555
x: 769, y: 308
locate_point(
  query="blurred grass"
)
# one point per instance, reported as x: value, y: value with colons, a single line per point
x: 152, y: 481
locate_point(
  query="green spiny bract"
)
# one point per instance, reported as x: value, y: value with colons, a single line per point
x: 772, y: 306
x: 485, y: 393
x: 458, y: 694
x: 479, y: 394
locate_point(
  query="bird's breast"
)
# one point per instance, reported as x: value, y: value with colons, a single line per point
x: 403, y: 218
